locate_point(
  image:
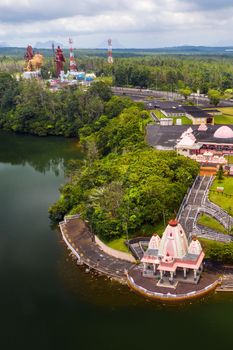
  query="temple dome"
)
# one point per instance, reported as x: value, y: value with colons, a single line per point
x: 154, y: 242
x: 174, y: 242
x: 224, y: 132
x: 195, y: 247
x: 187, y: 140
x: 202, y: 127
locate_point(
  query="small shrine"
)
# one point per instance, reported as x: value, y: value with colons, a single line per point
x: 172, y: 259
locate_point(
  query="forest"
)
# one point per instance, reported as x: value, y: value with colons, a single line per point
x: 123, y: 184
x: 28, y: 106
x: 159, y: 72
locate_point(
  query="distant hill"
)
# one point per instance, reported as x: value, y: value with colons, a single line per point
x: 132, y: 52
x: 3, y: 44
x: 115, y: 44
x: 47, y: 44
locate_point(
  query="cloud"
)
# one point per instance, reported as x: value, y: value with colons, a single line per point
x: 32, y: 10
x: 209, y: 5
x: 134, y: 21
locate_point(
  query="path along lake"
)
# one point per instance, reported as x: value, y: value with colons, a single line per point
x: 47, y: 302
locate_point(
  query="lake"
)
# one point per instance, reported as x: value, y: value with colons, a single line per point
x: 48, y: 302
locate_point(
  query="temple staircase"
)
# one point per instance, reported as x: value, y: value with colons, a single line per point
x: 196, y: 202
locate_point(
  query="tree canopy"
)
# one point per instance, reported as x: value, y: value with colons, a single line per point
x: 125, y: 184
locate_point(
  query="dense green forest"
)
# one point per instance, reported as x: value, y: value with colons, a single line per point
x: 160, y: 72
x: 28, y: 106
x: 123, y: 184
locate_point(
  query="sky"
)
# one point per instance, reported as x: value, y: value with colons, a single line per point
x: 130, y: 23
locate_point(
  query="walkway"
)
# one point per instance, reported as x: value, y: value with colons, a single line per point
x: 197, y: 202
x: 81, y: 242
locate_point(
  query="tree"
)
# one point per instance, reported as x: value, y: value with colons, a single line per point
x: 214, y: 96
x: 186, y: 92
x: 220, y: 172
x: 8, y: 91
x: 101, y: 90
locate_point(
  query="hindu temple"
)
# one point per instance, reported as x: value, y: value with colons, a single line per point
x: 172, y: 258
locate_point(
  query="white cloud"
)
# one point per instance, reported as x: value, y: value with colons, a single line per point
x: 134, y: 22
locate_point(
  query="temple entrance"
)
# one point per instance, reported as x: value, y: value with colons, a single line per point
x: 209, y: 120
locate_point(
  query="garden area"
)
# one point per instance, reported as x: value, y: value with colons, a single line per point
x: 217, y: 251
x: 212, y: 223
x: 223, y: 199
x: 226, y: 117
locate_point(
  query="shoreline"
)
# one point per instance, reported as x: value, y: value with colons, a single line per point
x: 81, y: 242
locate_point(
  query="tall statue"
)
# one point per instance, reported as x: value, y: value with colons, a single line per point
x: 59, y: 59
x: 28, y: 56
x: 33, y: 61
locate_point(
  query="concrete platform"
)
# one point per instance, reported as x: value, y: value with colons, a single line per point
x: 152, y: 289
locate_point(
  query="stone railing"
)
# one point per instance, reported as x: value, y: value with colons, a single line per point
x: 69, y: 244
x: 115, y: 253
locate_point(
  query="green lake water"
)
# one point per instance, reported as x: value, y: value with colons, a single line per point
x: 47, y: 302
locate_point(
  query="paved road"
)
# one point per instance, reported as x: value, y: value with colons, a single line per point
x: 143, y: 94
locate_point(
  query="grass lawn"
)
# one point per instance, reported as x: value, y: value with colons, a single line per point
x: 158, y: 113
x: 226, y: 110
x: 218, y: 198
x: 207, y: 245
x: 226, y: 117
x: 185, y: 120
x: 210, y: 222
x: 118, y: 244
x: 223, y: 119
x: 146, y: 230
x: 229, y: 159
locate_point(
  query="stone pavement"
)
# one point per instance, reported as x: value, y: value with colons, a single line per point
x: 88, y: 252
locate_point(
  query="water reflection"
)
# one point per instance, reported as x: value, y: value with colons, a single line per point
x: 48, y: 302
x: 43, y: 154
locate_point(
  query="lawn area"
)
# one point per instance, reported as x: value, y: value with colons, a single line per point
x: 208, y: 245
x: 229, y: 159
x: 185, y: 120
x: 158, y: 113
x: 226, y: 117
x: 146, y: 230
x: 226, y: 110
x: 217, y: 251
x: 218, y: 198
x: 118, y: 244
x: 223, y: 119
x: 210, y: 222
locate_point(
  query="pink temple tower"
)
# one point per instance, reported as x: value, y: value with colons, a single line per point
x: 110, y: 58
x: 73, y: 65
